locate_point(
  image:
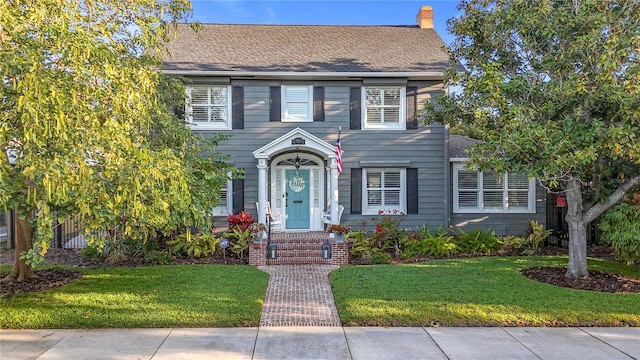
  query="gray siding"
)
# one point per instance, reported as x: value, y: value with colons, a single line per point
x: 501, y: 223
x: 424, y: 147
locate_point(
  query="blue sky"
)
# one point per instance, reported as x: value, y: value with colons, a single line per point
x: 328, y: 12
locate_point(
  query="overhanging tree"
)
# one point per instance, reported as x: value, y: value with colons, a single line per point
x: 552, y: 87
x: 89, y: 119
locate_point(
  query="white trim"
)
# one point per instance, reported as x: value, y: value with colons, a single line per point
x: 531, y: 198
x: 354, y: 75
x: 402, y: 116
x: 283, y: 143
x: 366, y: 210
x: 207, y: 125
x: 285, y: 110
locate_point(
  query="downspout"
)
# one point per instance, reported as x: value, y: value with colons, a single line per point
x: 447, y: 172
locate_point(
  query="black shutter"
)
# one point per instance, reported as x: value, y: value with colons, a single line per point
x: 238, y: 195
x: 355, y: 122
x: 237, y: 110
x: 412, y: 191
x: 275, y: 104
x: 412, y: 107
x: 318, y: 103
x: 356, y: 191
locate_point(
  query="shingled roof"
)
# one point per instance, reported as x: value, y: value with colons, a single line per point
x: 307, y: 48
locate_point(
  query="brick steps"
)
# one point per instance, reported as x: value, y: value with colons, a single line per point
x: 299, y: 248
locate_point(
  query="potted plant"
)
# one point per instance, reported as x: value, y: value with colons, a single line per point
x: 257, y: 231
x: 338, y: 231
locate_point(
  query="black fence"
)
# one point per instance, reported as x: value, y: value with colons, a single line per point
x: 556, y: 222
x: 66, y: 234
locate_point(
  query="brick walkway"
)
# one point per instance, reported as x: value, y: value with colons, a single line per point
x: 299, y: 295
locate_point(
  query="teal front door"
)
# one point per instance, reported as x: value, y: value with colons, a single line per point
x: 297, y: 199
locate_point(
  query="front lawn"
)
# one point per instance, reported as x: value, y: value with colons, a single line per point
x: 153, y: 296
x: 483, y: 291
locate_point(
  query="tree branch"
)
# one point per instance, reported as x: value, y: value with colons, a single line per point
x: 601, y: 207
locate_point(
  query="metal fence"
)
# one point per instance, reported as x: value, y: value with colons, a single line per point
x: 556, y: 222
x: 66, y: 234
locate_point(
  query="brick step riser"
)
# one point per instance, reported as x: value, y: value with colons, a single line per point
x: 299, y: 253
x: 290, y: 241
x: 297, y: 261
x: 309, y: 247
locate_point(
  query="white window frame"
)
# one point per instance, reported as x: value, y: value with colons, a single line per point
x: 285, y: 109
x: 218, y: 210
x: 480, y: 208
x: 373, y: 210
x: 402, y: 121
x: 208, y: 125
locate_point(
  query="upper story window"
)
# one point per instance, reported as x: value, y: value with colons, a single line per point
x: 383, y: 189
x: 209, y: 107
x: 297, y: 103
x: 384, y: 107
x: 475, y: 191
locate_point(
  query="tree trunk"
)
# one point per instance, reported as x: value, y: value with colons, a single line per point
x: 21, y: 270
x: 577, y: 266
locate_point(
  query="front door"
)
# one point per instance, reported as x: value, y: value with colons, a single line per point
x: 297, y: 199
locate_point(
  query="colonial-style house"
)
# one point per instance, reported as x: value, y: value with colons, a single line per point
x: 286, y: 92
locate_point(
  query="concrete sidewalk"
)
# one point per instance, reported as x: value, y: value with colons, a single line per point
x: 323, y: 343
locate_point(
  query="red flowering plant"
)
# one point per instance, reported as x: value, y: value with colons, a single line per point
x: 338, y: 229
x: 388, y: 233
x: 241, y: 220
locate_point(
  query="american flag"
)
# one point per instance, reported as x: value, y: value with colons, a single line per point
x: 339, y: 154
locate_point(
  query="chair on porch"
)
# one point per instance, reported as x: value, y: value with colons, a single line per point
x: 326, y: 215
x: 276, y: 220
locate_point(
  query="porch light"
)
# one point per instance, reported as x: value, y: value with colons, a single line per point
x: 326, y: 250
x: 271, y: 251
x: 297, y: 162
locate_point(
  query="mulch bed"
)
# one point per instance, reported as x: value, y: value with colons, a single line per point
x: 597, y: 280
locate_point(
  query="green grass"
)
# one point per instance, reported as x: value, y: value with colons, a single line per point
x: 155, y: 296
x: 485, y: 291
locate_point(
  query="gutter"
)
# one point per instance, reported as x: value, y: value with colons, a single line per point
x: 427, y: 75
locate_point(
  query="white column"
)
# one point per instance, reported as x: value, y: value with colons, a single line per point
x: 334, y: 191
x: 262, y: 190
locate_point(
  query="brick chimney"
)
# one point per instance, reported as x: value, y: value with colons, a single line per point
x: 424, y: 19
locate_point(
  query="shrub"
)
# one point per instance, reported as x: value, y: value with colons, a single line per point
x: 239, y: 241
x: 195, y: 246
x: 381, y: 258
x: 537, y: 234
x: 158, y: 257
x: 362, y: 245
x: 478, y: 242
x: 241, y: 220
x: 620, y: 226
x: 387, y: 234
x: 512, y: 242
x: 438, y: 243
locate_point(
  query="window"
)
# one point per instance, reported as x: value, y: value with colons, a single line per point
x: 209, y: 107
x: 384, y: 107
x: 383, y: 189
x: 224, y: 202
x: 297, y: 103
x: 475, y: 191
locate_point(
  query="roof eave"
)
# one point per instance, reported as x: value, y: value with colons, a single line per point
x: 425, y: 75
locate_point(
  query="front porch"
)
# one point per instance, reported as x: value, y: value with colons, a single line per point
x: 299, y: 248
